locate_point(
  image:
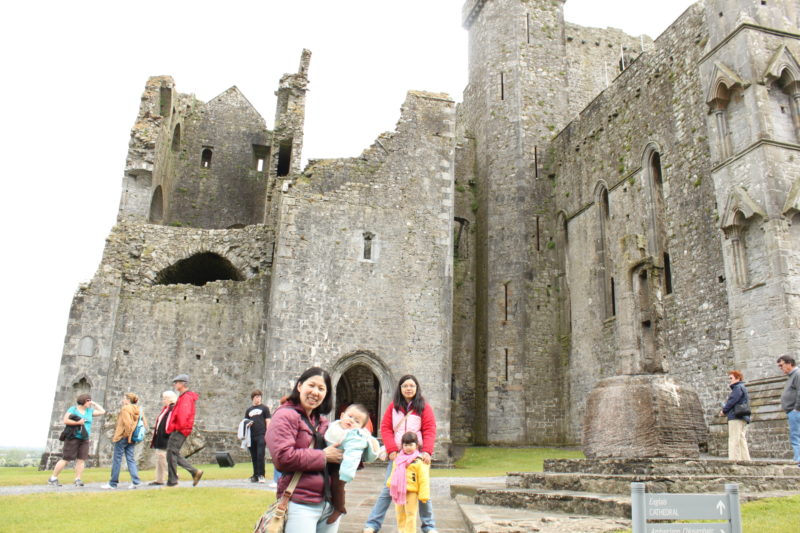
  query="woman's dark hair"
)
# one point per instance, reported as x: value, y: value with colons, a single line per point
x: 418, y: 403
x: 325, y: 406
x: 409, y: 437
x: 83, y: 398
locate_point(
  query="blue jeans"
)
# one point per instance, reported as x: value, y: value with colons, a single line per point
x: 378, y: 513
x: 276, y: 475
x: 794, y: 433
x: 124, y: 447
x: 310, y: 518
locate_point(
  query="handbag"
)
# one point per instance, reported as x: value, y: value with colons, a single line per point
x: 69, y: 431
x: 274, y: 518
x: 742, y: 409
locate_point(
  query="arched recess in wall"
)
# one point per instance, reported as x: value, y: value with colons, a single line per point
x: 782, y: 78
x: 81, y: 385
x: 656, y: 213
x: 562, y: 285
x: 374, y: 364
x: 176, y: 138
x: 205, y: 158
x: 157, y: 206
x: 199, y: 269
x: 87, y: 346
x: 603, y: 265
x: 725, y: 101
x: 742, y: 224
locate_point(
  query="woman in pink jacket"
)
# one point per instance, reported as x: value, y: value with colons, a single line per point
x: 407, y: 412
x: 296, y: 425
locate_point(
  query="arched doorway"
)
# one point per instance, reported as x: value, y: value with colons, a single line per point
x: 361, y: 377
x: 359, y: 385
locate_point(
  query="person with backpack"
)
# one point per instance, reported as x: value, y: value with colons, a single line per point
x: 737, y: 409
x: 129, y: 432
x: 76, y: 444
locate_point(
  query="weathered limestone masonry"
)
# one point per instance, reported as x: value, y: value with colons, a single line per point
x: 597, y: 252
x: 363, y: 264
x: 604, y: 216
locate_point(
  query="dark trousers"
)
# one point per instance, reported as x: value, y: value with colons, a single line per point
x: 257, y: 447
x: 174, y: 457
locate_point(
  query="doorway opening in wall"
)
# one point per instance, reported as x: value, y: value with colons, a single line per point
x: 360, y: 385
x: 285, y: 157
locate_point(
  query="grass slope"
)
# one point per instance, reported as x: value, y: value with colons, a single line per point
x: 12, y: 476
x: 199, y: 510
x: 492, y: 461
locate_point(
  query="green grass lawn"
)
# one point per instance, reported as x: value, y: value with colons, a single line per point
x: 494, y: 461
x: 10, y: 476
x: 770, y: 515
x: 199, y: 510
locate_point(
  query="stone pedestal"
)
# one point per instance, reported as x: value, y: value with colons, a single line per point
x: 636, y: 416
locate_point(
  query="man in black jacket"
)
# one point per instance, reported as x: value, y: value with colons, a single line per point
x: 259, y: 416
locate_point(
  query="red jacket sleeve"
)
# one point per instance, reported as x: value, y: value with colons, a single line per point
x: 182, y: 418
x: 428, y: 429
x: 288, y: 444
x: 387, y: 431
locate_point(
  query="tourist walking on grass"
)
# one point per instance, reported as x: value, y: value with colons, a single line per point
x: 179, y: 427
x: 738, y: 401
x: 128, y: 433
x: 408, y: 412
x: 295, y: 437
x: 161, y: 437
x: 257, y: 418
x: 76, y: 446
x: 790, y: 401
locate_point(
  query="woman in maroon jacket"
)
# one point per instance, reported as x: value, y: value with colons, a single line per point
x: 295, y: 425
x: 408, y: 412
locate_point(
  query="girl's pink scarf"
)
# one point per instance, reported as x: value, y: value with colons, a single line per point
x: 397, y: 487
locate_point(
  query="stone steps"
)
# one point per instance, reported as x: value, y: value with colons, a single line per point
x: 559, y: 501
x: 620, y: 484
x: 672, y: 467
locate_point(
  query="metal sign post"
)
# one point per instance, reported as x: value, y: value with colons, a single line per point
x: 666, y: 508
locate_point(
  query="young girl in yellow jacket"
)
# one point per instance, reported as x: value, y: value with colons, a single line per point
x: 408, y: 483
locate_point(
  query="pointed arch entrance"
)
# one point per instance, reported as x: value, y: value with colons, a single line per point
x: 361, y: 377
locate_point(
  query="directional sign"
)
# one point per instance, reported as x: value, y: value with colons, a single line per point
x: 721, y: 527
x: 687, y: 507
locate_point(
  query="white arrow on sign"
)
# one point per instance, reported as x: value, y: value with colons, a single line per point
x: 721, y: 508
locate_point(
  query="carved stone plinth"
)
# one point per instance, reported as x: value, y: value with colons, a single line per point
x: 636, y: 416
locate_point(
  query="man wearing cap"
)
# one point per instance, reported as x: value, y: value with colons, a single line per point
x: 179, y: 427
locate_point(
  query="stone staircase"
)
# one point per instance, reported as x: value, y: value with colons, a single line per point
x: 601, y: 488
x: 768, y: 435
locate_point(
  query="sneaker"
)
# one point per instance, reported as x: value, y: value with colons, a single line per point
x: 53, y: 481
x: 262, y: 479
x: 156, y: 483
x: 79, y: 483
x: 172, y: 484
x: 108, y: 487
x: 368, y: 530
x: 196, y: 477
x: 253, y: 479
x: 272, y: 485
x: 134, y: 485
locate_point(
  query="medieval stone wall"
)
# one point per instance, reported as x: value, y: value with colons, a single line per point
x: 363, y: 264
x: 656, y: 104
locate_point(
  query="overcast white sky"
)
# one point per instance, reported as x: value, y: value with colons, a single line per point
x: 72, y: 76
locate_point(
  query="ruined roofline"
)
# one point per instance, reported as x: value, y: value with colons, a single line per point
x: 377, y: 145
x: 239, y: 91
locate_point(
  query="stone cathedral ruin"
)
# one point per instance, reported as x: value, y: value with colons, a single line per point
x: 575, y: 253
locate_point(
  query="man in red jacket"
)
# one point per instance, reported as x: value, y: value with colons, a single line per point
x: 179, y: 427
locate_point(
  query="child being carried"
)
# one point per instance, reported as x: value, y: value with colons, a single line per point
x: 357, y: 445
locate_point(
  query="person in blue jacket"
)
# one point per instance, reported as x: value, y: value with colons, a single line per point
x: 737, y: 425
x: 349, y: 434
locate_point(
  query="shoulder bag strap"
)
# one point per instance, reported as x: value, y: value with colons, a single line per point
x: 287, y: 494
x: 400, y: 422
